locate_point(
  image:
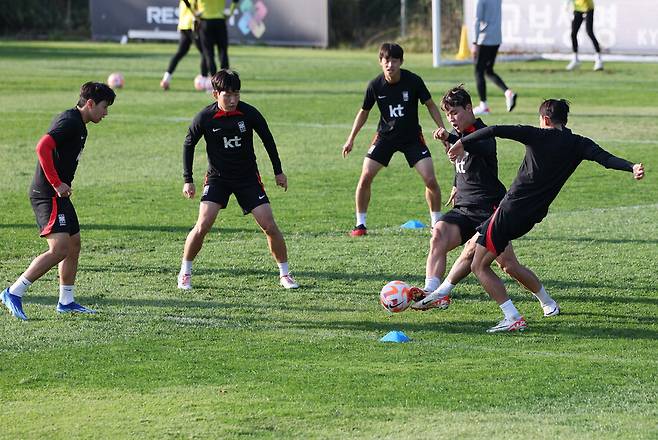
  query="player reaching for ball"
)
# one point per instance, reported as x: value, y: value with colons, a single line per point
x: 553, y: 153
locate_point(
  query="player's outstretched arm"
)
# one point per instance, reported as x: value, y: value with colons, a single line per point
x: 434, y: 113
x: 638, y: 171
x: 359, y: 122
x: 456, y: 150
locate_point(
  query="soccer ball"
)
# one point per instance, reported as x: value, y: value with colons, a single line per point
x: 395, y: 296
x: 115, y: 80
x: 201, y: 83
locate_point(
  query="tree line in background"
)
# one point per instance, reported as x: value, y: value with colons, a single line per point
x: 353, y: 23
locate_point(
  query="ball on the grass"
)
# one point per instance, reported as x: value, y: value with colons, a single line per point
x: 395, y: 296
x: 115, y: 80
x: 201, y: 83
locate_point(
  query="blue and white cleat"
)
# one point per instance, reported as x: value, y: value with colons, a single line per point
x: 74, y: 307
x: 14, y: 304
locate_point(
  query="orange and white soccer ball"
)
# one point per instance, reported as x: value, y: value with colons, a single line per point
x: 201, y: 83
x: 395, y: 296
x: 115, y: 80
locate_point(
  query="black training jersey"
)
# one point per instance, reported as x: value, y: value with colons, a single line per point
x: 476, y: 173
x: 229, y: 142
x: 398, y: 105
x: 551, y: 157
x: 70, y: 133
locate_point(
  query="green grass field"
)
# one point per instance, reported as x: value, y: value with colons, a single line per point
x: 239, y: 357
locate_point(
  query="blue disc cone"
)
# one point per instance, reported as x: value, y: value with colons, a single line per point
x: 413, y: 224
x: 395, y: 336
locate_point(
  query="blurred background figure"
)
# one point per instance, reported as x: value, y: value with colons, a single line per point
x: 583, y: 9
x: 213, y: 31
x: 187, y: 27
x: 486, y: 41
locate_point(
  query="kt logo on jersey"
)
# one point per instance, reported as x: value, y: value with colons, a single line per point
x: 234, y: 142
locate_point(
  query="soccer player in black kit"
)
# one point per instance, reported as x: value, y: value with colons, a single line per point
x: 58, y: 152
x: 228, y: 127
x: 397, y: 93
x: 475, y: 194
x: 553, y: 153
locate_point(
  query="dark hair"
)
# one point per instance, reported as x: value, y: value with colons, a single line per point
x: 456, y: 97
x: 226, y: 80
x: 391, y: 50
x: 557, y: 110
x: 97, y: 92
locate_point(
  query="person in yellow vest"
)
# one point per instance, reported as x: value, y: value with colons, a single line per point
x: 213, y: 31
x: 186, y: 27
x: 583, y: 9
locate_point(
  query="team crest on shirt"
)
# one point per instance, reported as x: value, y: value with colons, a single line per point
x: 61, y: 218
x: 405, y: 96
x: 242, y: 127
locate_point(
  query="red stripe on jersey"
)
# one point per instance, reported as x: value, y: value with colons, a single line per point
x: 470, y: 129
x: 488, y: 241
x: 45, y: 149
x: 260, y: 181
x: 223, y: 113
x: 51, y: 221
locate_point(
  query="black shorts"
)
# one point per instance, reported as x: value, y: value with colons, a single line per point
x: 467, y: 219
x: 383, y: 149
x: 55, y: 214
x: 249, y: 192
x: 501, y: 228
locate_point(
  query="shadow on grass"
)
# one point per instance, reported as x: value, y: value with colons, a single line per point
x: 140, y: 228
x: 268, y: 316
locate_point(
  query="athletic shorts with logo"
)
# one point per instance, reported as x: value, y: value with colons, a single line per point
x: 501, y: 228
x: 55, y: 214
x: 467, y: 219
x: 249, y: 192
x: 383, y: 149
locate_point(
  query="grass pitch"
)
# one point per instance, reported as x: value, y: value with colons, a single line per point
x: 239, y: 357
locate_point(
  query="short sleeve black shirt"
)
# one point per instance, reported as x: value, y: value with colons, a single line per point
x: 70, y: 133
x: 398, y: 105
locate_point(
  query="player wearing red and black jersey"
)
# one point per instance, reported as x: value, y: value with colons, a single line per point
x: 475, y: 195
x: 228, y: 127
x: 396, y: 93
x: 553, y: 153
x: 58, y: 154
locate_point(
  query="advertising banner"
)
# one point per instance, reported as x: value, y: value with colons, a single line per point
x: 275, y: 22
x: 622, y: 27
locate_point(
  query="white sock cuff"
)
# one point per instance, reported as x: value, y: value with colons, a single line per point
x: 283, y: 269
x: 361, y: 218
x: 186, y: 267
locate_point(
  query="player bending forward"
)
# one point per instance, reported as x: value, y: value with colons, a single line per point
x: 475, y: 194
x: 228, y: 127
x: 50, y: 194
x: 553, y: 153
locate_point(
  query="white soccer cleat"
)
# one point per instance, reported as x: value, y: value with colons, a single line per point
x: 551, y: 309
x: 185, y: 281
x: 509, y: 325
x: 288, y: 282
x: 481, y: 110
x: 598, y: 65
x: 510, y: 101
x: 432, y: 301
x: 573, y: 64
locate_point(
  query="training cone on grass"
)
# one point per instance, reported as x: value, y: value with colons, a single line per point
x: 464, y: 52
x: 395, y: 336
x: 413, y: 224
